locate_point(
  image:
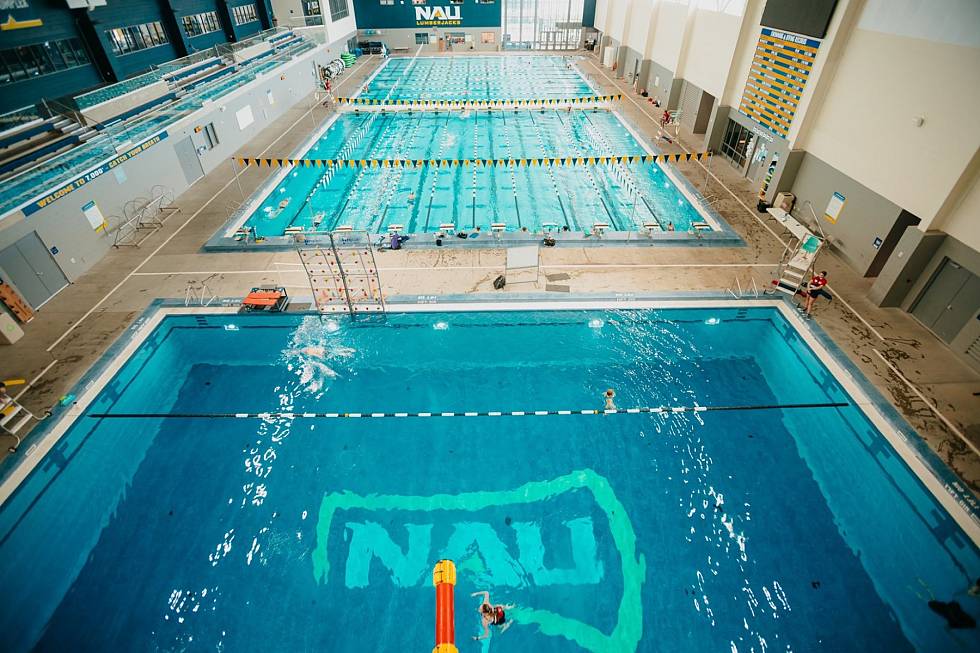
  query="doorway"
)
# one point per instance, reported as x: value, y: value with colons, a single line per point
x: 949, y: 301
x: 28, y: 265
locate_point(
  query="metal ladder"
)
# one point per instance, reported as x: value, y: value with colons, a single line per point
x: 343, y: 274
x: 13, y: 418
x: 794, y: 269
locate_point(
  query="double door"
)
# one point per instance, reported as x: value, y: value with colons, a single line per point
x: 28, y: 265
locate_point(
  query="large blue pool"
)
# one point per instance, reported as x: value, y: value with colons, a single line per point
x: 755, y: 528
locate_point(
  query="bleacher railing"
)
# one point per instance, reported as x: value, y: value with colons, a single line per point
x: 22, y: 116
x: 58, y: 169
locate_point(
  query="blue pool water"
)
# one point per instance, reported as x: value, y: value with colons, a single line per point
x: 477, y: 78
x: 748, y: 530
x: 319, y: 198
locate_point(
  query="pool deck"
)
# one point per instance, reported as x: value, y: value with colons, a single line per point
x: 935, y: 394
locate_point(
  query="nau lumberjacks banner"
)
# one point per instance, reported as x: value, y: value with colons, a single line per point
x: 428, y: 14
x: 440, y: 16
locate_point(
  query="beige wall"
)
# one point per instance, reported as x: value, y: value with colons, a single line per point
x: 963, y: 221
x: 884, y: 80
x: 641, y: 16
x: 668, y: 34
x: 710, y: 49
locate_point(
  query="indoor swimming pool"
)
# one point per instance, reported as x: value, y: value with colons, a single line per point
x: 519, y: 195
x: 286, y: 482
x: 477, y: 78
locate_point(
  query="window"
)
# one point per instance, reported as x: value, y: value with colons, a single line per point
x: 455, y: 2
x: 387, y: 2
x: 735, y: 145
x: 488, y: 37
x: 338, y: 9
x: 125, y: 40
x: 485, y: 2
x: 418, y: 2
x: 421, y: 38
x: 244, y: 14
x: 311, y: 7
x: 542, y: 24
x: 210, y: 136
x: 39, y: 59
x: 198, y: 24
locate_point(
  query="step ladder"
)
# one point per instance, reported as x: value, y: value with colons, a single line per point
x: 343, y: 274
x: 13, y: 419
x: 794, y: 270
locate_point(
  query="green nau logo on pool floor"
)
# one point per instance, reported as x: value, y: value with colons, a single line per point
x: 629, y: 626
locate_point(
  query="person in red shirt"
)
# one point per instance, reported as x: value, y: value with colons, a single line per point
x: 492, y: 615
x: 815, y: 289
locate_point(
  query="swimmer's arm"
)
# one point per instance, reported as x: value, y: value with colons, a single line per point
x: 485, y: 595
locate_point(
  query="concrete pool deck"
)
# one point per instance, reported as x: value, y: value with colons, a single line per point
x: 936, y: 392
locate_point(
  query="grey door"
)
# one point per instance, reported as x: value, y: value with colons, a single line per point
x: 689, y: 104
x: 949, y: 301
x: 29, y: 266
x: 190, y: 163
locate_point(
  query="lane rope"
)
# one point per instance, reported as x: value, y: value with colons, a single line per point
x: 658, y: 410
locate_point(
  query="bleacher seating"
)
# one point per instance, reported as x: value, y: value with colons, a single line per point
x: 25, y: 174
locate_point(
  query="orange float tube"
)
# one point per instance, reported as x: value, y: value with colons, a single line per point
x: 444, y: 579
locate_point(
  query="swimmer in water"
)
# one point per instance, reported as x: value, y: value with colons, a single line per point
x: 492, y: 615
x: 609, y: 395
x: 411, y: 198
x: 284, y: 203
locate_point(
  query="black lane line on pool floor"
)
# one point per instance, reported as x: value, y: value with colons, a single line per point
x: 661, y: 410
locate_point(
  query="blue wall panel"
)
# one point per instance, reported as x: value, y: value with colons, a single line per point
x: 588, y: 13
x: 371, y: 14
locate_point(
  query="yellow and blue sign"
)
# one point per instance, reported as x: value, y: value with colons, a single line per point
x: 477, y: 163
x: 454, y: 104
x: 91, y: 175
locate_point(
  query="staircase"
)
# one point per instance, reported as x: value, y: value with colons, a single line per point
x: 343, y: 274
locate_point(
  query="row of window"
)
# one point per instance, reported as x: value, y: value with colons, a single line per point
x: 422, y: 38
x: 244, y: 14
x: 124, y: 40
x: 28, y: 61
x: 198, y: 24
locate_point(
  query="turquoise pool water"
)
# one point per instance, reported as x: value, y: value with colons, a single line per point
x: 477, y: 78
x: 576, y: 197
x: 740, y: 530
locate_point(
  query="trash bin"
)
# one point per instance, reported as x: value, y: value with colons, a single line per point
x: 10, y: 332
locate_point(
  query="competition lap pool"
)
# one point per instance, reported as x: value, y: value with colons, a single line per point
x: 496, y: 174
x: 481, y: 77
x: 192, y: 506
